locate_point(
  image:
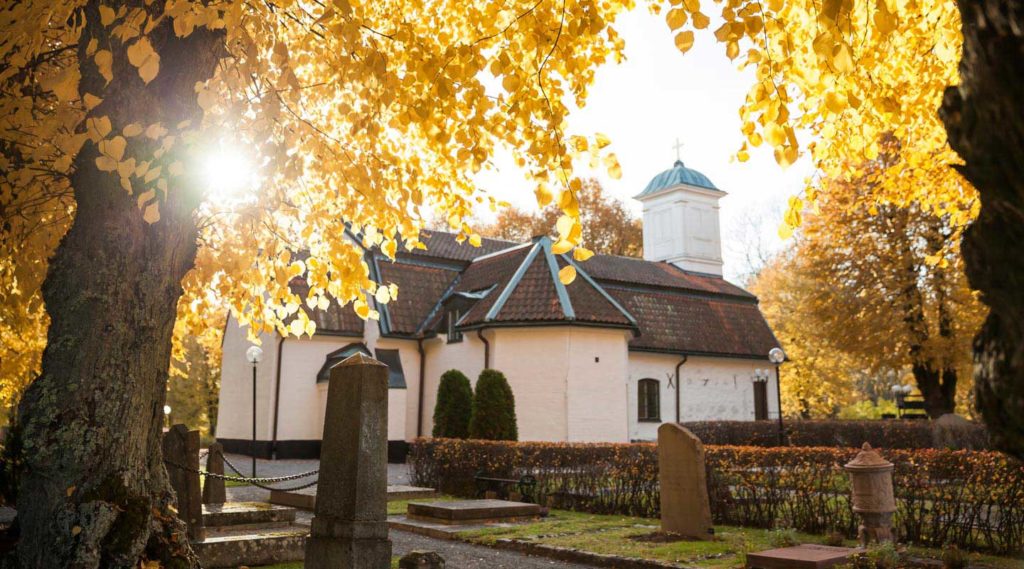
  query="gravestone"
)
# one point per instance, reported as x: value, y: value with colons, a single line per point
x: 349, y: 528
x: 181, y: 453
x: 213, y: 488
x: 808, y: 556
x: 685, y: 508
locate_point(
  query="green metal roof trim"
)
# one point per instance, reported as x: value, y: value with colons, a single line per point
x: 678, y: 174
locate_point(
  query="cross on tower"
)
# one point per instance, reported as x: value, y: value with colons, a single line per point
x: 678, y: 146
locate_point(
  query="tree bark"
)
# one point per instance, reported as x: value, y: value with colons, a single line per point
x: 94, y: 491
x: 984, y: 118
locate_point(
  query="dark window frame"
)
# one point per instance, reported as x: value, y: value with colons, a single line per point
x: 648, y: 391
x: 392, y: 357
x: 760, y: 400
x: 451, y: 318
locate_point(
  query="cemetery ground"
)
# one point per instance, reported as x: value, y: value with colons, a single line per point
x: 630, y: 537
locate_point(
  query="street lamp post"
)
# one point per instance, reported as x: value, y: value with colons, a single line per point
x: 254, y: 354
x: 777, y: 356
x: 167, y: 416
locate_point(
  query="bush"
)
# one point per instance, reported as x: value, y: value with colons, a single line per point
x: 454, y: 406
x: 969, y: 498
x: 889, y: 434
x: 494, y: 409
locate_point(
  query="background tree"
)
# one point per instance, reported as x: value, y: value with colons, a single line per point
x: 891, y: 289
x: 193, y: 387
x: 608, y: 225
x: 869, y: 290
x: 454, y: 406
x: 494, y: 409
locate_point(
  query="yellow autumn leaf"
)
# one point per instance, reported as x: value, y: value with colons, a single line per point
x: 561, y: 246
x: 104, y: 64
x: 602, y: 140
x: 684, y: 41
x: 152, y: 213
x: 676, y: 18
x: 700, y: 20
x: 785, y: 231
x: 475, y: 240
x: 143, y: 57
x: 383, y: 295
x: 567, y: 274
x: 107, y: 15
x: 106, y: 163
x: 582, y: 254
x: 75, y: 530
x: 113, y: 147
x: 131, y: 130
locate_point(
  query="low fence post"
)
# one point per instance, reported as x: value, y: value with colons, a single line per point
x: 181, y: 452
x: 349, y: 529
x: 213, y: 488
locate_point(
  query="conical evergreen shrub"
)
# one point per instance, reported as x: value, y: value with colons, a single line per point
x: 494, y: 409
x: 454, y: 406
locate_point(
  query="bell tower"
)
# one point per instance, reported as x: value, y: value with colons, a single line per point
x: 681, y: 226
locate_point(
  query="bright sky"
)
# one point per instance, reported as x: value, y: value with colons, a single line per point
x: 656, y: 96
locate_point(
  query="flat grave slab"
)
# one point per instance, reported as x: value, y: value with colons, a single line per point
x: 808, y: 556
x: 473, y: 511
x: 243, y: 513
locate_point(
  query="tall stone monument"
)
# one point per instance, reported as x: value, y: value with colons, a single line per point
x: 349, y: 529
x: 685, y: 508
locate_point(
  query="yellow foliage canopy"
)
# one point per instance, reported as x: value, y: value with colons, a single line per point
x: 368, y: 115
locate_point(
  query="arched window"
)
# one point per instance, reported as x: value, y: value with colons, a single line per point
x: 649, y: 400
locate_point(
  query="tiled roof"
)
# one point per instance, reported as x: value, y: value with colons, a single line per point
x: 419, y: 289
x: 697, y: 324
x: 660, y: 274
x: 502, y: 283
x: 337, y: 319
x: 443, y: 245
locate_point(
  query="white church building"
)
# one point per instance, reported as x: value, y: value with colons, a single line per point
x: 631, y: 343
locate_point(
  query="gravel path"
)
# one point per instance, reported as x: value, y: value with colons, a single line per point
x: 459, y: 555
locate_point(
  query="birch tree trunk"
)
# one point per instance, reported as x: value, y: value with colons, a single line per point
x: 94, y: 492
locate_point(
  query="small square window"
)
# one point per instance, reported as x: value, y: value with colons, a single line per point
x: 454, y: 335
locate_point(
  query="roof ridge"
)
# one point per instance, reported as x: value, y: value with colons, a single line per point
x: 563, y: 294
x: 593, y: 283
x: 499, y: 303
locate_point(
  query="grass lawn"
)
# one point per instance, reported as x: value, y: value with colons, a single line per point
x: 616, y: 535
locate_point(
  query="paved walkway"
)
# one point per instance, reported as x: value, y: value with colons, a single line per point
x: 459, y: 555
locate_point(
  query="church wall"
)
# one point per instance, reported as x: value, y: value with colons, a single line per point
x: 401, y: 402
x: 712, y: 389
x: 234, y: 412
x: 536, y: 363
x: 598, y: 371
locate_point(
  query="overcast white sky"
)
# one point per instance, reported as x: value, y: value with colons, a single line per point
x: 656, y: 96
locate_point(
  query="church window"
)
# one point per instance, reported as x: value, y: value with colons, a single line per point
x: 337, y: 357
x: 649, y: 400
x: 390, y: 358
x: 454, y: 335
x: 761, y: 400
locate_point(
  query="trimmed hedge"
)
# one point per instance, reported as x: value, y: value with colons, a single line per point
x: 454, y: 406
x: 972, y: 499
x: 494, y: 408
x: 892, y: 434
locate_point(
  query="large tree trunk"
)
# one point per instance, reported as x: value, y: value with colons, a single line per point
x: 984, y: 116
x: 94, y: 491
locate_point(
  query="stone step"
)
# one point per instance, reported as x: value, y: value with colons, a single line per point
x: 246, y: 513
x: 235, y: 548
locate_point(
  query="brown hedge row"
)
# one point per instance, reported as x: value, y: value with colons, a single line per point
x: 836, y: 433
x: 969, y: 498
